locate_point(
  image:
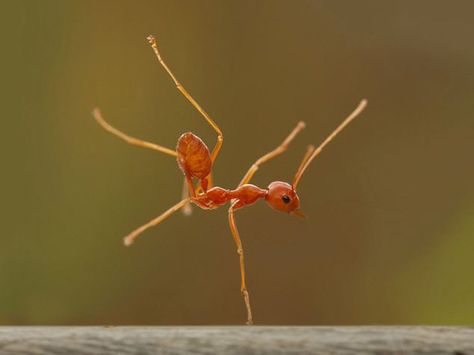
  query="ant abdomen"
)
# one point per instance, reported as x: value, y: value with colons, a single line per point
x: 194, y: 158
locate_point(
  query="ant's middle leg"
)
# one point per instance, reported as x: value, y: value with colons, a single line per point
x: 180, y: 87
x: 187, y: 208
x: 186, y: 192
x: 274, y: 153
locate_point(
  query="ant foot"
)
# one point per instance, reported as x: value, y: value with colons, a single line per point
x: 151, y: 39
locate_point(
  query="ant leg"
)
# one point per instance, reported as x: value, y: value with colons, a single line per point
x: 275, y: 152
x: 240, y: 251
x: 100, y: 120
x: 220, y: 137
x: 187, y: 185
x: 191, y: 189
x: 210, y: 181
x: 187, y: 208
x: 129, y: 239
x: 210, y: 184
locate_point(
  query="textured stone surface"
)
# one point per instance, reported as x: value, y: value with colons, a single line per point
x: 237, y: 340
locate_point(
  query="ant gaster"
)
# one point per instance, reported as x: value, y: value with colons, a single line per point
x: 196, y: 161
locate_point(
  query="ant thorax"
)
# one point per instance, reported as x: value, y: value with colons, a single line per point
x: 244, y: 195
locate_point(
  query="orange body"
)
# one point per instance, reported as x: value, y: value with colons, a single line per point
x: 195, y: 161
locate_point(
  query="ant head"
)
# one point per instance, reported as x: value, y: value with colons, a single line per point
x: 282, y: 197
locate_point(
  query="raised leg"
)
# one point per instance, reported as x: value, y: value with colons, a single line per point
x: 98, y: 117
x: 240, y: 252
x: 220, y: 137
x: 129, y: 239
x: 275, y: 152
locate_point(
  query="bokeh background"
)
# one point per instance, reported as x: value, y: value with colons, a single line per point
x: 390, y: 203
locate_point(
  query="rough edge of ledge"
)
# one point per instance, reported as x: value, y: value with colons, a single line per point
x: 237, y: 340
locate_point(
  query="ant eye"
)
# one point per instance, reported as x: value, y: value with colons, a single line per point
x: 285, y: 199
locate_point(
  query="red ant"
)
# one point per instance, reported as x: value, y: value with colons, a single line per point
x: 195, y: 161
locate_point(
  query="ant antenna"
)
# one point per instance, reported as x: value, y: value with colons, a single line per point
x: 312, y: 153
x: 309, y: 151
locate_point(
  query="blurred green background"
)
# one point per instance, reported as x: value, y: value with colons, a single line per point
x: 389, y: 238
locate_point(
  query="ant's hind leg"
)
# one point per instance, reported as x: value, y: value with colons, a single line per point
x: 210, y: 181
x: 131, y: 140
x: 187, y: 208
x: 210, y: 121
x: 240, y: 252
x: 129, y: 239
x: 209, y: 184
x: 274, y: 153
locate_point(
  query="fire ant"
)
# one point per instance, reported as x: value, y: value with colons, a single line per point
x: 195, y: 161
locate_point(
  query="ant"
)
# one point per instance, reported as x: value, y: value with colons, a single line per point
x: 196, y: 161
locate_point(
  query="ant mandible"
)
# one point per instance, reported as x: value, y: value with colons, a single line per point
x: 195, y: 161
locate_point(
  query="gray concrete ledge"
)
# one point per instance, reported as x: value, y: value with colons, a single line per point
x: 237, y: 340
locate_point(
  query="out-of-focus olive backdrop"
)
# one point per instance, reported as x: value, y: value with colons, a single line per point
x: 390, y: 203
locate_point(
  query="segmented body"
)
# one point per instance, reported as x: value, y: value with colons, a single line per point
x: 194, y: 160
x: 244, y: 195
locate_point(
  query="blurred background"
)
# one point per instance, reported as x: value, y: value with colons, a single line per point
x: 390, y: 203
